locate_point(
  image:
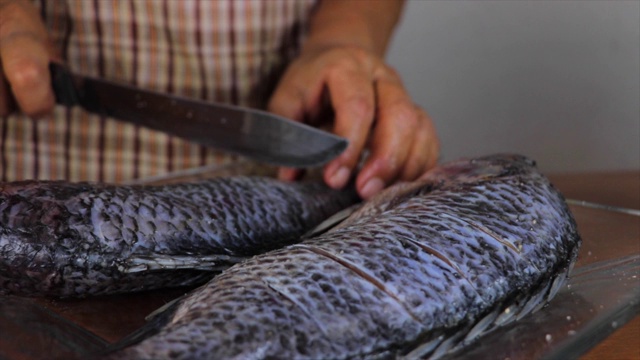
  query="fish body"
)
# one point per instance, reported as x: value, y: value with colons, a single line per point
x: 76, y: 239
x: 421, y: 270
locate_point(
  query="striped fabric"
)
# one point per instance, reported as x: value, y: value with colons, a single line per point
x: 229, y: 51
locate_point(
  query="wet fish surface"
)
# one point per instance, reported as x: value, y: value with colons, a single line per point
x: 419, y: 271
x: 76, y: 239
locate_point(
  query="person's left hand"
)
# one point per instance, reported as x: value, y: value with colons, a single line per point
x: 372, y: 109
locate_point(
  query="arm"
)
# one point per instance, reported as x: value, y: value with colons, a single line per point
x: 365, y: 24
x: 342, y: 61
x: 25, y: 53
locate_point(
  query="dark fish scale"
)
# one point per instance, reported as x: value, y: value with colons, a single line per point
x: 74, y: 239
x: 423, y: 268
x: 335, y: 313
x: 401, y: 277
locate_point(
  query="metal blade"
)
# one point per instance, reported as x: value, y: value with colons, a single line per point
x: 248, y: 132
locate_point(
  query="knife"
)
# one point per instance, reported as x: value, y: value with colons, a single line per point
x: 248, y: 132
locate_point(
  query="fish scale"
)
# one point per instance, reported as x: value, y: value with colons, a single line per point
x: 76, y: 239
x: 418, y: 271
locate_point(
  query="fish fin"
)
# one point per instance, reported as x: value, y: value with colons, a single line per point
x: 156, y: 321
x: 524, y: 303
x: 446, y: 346
x: 379, y: 203
x: 424, y: 349
x: 162, y: 309
x: 388, y: 199
x: 157, y: 262
x: 482, y: 326
x: 332, y: 221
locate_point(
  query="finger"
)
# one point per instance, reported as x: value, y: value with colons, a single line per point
x: 424, y: 150
x: 353, y: 100
x: 25, y: 54
x: 289, y: 174
x: 432, y: 140
x: 298, y: 93
x: 25, y: 65
x: 287, y: 100
x: 7, y: 104
x: 393, y: 137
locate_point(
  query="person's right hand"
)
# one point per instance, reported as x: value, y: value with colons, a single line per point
x: 25, y: 53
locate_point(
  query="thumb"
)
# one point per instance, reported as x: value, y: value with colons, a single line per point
x: 25, y: 53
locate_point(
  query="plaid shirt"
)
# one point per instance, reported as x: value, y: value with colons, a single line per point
x: 227, y: 51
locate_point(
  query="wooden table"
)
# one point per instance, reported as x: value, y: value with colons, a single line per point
x: 622, y: 189
x: 112, y: 317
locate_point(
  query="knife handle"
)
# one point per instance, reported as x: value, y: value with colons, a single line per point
x: 63, y: 85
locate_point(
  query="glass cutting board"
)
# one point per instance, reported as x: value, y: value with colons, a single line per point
x: 602, y: 295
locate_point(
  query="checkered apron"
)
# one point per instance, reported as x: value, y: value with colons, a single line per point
x: 229, y: 51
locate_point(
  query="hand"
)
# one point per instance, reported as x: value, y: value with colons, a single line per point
x: 372, y: 109
x: 25, y: 53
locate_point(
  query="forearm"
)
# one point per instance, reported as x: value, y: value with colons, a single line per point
x: 365, y: 24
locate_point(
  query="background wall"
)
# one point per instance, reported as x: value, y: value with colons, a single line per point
x: 558, y: 81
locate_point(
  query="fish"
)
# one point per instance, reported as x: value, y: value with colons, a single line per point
x: 419, y: 271
x: 78, y: 239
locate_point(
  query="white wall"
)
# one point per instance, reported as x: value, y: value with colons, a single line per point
x: 558, y: 81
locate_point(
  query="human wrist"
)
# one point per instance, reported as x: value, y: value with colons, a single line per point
x: 367, y: 25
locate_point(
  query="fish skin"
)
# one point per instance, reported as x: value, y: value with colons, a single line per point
x: 75, y: 239
x: 419, y: 271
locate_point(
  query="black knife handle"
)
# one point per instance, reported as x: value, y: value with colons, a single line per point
x: 63, y: 85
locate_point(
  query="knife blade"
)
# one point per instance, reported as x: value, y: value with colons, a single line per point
x: 253, y: 133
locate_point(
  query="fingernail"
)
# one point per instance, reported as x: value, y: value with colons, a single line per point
x: 371, y: 187
x: 340, y: 177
